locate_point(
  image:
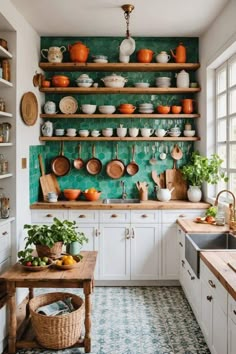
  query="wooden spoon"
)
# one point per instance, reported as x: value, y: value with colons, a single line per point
x: 176, y: 154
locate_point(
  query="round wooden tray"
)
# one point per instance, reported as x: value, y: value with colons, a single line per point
x: 66, y: 267
x: 29, y: 108
x: 37, y: 268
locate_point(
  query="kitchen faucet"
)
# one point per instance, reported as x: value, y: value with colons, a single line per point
x: 232, y: 220
x: 124, y: 195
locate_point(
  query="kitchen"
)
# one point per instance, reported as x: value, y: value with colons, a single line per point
x: 23, y: 186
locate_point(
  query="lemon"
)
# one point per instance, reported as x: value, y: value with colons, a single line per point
x: 59, y: 262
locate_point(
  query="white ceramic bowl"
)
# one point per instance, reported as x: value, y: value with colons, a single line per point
x: 174, y: 134
x: 106, y: 109
x: 107, y: 132
x: 121, y: 132
x: 84, y: 84
x: 147, y: 111
x: 189, y: 132
x: 88, y: 108
x: 83, y: 133
x: 142, y: 84
x: 59, y: 132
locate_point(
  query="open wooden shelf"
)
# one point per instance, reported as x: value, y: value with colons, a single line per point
x: 117, y: 115
x: 5, y: 54
x: 122, y: 90
x: 114, y: 138
x: 118, y: 66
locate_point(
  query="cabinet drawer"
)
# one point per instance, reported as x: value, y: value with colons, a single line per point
x: 144, y: 216
x: 46, y: 216
x: 84, y: 216
x: 170, y: 216
x: 115, y: 216
x: 215, y: 287
x: 232, y: 308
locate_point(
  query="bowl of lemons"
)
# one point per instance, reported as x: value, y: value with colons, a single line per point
x: 67, y: 261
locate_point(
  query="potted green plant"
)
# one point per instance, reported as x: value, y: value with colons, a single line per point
x: 202, y: 169
x: 49, y: 239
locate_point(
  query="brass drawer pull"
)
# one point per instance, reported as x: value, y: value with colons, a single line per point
x: 209, y: 298
x: 183, y: 263
x: 114, y: 216
x: 81, y: 216
x: 49, y: 216
x: 144, y: 216
x: 211, y: 283
x: 97, y: 233
x: 5, y: 233
x: 127, y: 235
x: 180, y: 243
x: 182, y: 216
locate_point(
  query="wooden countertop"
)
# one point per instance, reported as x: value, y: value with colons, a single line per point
x: 217, y: 263
x: 190, y: 226
x: 150, y: 204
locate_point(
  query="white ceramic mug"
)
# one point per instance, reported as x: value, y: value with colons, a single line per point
x: 107, y: 132
x: 121, y: 132
x: 133, y: 132
x: 145, y: 132
x: 71, y: 132
x: 160, y: 132
x: 95, y: 133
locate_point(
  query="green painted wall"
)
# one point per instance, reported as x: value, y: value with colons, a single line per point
x: 105, y: 151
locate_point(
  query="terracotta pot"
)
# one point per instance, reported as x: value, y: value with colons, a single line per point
x: 46, y: 83
x: 60, y: 81
x: 163, y: 109
x: 145, y: 55
x: 176, y: 109
x: 187, y: 105
x: 78, y: 52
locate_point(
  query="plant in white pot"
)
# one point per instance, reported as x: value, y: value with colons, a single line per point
x: 49, y: 239
x: 202, y: 169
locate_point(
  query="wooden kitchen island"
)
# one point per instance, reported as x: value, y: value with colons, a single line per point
x: 17, y: 277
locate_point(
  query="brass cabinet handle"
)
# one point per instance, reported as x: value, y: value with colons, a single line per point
x: 144, y: 216
x: 132, y: 233
x: 182, y: 216
x: 211, y: 283
x: 114, y: 216
x: 97, y: 233
x: 191, y: 276
x: 183, y: 263
x: 49, y: 216
x: 127, y: 235
x: 81, y: 216
x: 209, y: 298
x: 5, y: 233
x: 180, y: 243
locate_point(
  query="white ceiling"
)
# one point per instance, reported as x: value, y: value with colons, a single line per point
x: 158, y: 18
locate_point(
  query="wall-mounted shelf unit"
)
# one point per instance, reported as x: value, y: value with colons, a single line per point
x: 115, y: 115
x: 122, y: 90
x: 114, y: 138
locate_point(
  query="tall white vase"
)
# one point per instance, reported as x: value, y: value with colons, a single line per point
x: 194, y: 194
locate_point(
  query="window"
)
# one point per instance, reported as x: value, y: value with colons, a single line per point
x: 226, y: 120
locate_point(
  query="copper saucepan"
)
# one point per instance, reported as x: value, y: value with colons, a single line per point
x: 132, y: 168
x: 60, y: 164
x: 93, y: 165
x: 79, y: 162
x: 115, y: 168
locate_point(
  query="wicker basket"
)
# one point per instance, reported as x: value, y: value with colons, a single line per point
x: 57, y: 332
x: 51, y: 252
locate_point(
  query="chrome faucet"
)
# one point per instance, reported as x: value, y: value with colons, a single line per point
x: 232, y: 219
x: 124, y: 194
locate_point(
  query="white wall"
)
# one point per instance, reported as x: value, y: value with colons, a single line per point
x: 218, y: 42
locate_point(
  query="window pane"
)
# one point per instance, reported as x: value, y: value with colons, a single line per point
x: 232, y: 154
x: 233, y: 128
x: 221, y: 80
x: 221, y: 185
x: 232, y: 73
x: 221, y: 106
x: 232, y: 101
x: 221, y: 151
x: 232, y: 182
x: 221, y: 130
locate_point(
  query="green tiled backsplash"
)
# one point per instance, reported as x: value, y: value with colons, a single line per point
x: 105, y: 151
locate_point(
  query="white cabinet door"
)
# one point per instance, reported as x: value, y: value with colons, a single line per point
x: 231, y: 325
x: 92, y: 234
x: 206, y: 312
x: 144, y: 252
x: 114, y: 252
x: 219, y: 329
x: 170, y: 252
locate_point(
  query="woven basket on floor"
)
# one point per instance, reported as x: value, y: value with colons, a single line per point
x: 57, y: 332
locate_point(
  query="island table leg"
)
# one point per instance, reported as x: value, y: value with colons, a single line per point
x: 87, y: 321
x: 12, y: 326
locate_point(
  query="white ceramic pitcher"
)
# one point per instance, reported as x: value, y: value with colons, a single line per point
x: 164, y: 194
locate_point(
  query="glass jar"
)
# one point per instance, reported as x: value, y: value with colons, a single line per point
x: 6, y: 132
x: 2, y: 105
x: 3, y: 165
x: 5, y: 208
x: 1, y: 196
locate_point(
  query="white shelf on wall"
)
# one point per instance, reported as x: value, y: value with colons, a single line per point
x: 5, y: 83
x: 5, y: 144
x: 6, y: 175
x: 6, y: 114
x: 4, y: 54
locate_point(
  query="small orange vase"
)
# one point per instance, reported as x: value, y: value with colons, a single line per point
x: 180, y: 53
x: 187, y: 104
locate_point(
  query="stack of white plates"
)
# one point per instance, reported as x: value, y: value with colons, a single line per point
x: 145, y: 108
x: 163, y: 81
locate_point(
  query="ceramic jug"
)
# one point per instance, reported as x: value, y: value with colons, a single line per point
x: 47, y: 129
x: 187, y: 104
x: 164, y: 194
x: 78, y: 52
x: 180, y: 53
x: 50, y: 107
x: 182, y: 79
x: 162, y: 57
x: 54, y: 54
x: 73, y: 248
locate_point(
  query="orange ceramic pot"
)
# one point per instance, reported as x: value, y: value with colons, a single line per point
x: 127, y: 110
x: 180, y: 53
x: 145, y: 55
x: 46, y: 83
x: 78, y: 52
x: 92, y: 196
x: 71, y: 194
x: 60, y: 81
x: 187, y: 105
x: 163, y: 109
x: 176, y: 109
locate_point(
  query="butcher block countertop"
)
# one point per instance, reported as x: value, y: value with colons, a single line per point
x: 217, y: 262
x: 150, y: 204
x: 190, y: 226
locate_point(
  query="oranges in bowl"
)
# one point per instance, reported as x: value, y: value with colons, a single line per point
x: 92, y: 194
x: 67, y: 262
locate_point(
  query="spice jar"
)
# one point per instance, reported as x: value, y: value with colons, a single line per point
x: 6, y: 70
x: 5, y: 208
x: 6, y: 132
x: 3, y: 165
x: 2, y: 105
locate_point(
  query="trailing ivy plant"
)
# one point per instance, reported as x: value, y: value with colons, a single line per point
x: 203, y: 169
x: 59, y: 231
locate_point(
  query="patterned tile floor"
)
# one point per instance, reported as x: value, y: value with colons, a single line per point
x: 140, y: 320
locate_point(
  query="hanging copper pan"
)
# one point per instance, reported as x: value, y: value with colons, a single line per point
x: 79, y: 163
x: 132, y: 168
x: 93, y: 165
x: 60, y: 164
x: 115, y: 168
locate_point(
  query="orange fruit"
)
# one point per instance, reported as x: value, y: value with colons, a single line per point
x: 68, y: 261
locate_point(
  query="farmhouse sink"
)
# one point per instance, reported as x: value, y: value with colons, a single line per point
x: 120, y: 201
x: 194, y: 243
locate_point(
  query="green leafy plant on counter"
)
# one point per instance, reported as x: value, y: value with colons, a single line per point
x: 59, y: 231
x: 203, y: 169
x: 211, y: 211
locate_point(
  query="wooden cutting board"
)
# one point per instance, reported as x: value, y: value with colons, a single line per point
x: 48, y: 182
x: 159, y: 180
x: 174, y: 178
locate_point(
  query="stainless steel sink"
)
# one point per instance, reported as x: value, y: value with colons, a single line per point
x: 120, y: 201
x: 194, y: 243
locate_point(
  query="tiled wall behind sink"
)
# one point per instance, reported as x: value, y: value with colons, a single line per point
x: 105, y: 151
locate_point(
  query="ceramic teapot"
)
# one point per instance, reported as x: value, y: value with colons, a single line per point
x: 164, y: 194
x: 180, y: 53
x: 50, y: 107
x: 162, y: 57
x: 182, y: 79
x: 54, y: 54
x: 47, y: 129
